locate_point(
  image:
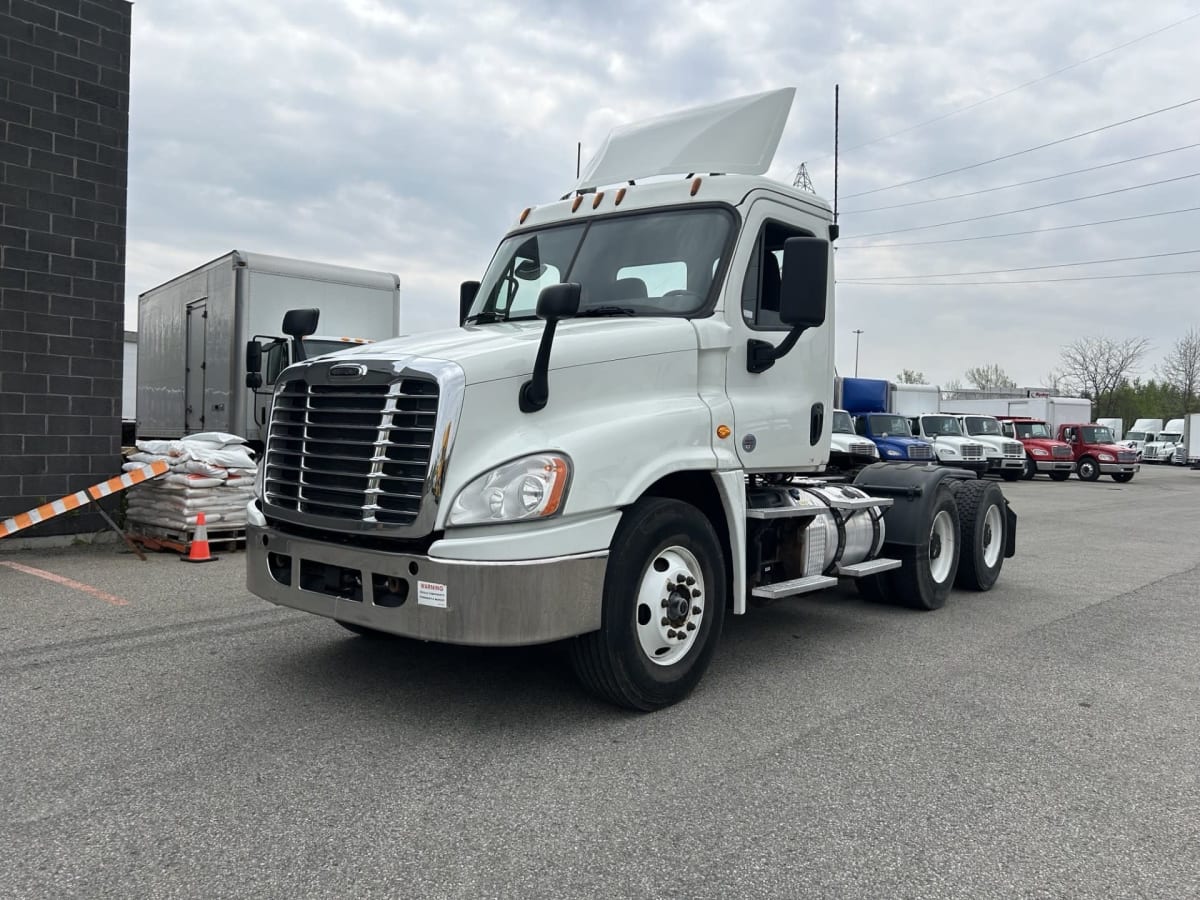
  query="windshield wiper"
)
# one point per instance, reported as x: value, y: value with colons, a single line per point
x: 606, y: 311
x: 486, y: 318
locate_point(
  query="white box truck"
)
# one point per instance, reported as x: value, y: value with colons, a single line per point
x: 1054, y: 411
x: 193, y: 333
x: 621, y: 442
x: 1187, y: 452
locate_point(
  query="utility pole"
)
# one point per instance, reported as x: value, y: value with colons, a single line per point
x: 857, y: 335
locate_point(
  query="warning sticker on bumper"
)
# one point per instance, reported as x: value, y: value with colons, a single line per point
x: 430, y: 593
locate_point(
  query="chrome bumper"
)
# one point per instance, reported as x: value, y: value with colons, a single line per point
x: 1117, y: 468
x: 1056, y: 465
x: 484, y: 603
x: 1001, y: 463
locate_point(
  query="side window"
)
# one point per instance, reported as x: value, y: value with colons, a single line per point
x: 764, y: 276
x: 1006, y: 428
x: 275, y: 360
x: 860, y: 426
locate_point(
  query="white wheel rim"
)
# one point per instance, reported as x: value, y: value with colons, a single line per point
x: 993, y: 535
x: 1085, y: 469
x: 670, y: 606
x: 941, y: 546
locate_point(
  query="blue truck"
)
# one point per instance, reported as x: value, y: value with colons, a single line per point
x: 867, y: 400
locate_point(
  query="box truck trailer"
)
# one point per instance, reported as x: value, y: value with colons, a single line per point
x: 193, y: 333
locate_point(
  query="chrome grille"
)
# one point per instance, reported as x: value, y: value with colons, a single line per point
x: 1060, y: 452
x: 920, y: 451
x: 1126, y: 456
x: 357, y: 452
x: 1012, y: 448
x: 972, y: 451
x: 1180, y: 454
x: 861, y: 448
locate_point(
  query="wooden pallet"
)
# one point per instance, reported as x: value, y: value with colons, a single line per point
x: 155, y: 537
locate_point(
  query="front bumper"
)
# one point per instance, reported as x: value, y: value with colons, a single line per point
x: 1056, y: 465
x: 1005, y: 464
x: 1118, y: 468
x: 468, y: 602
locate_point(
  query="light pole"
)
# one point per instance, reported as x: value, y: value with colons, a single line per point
x: 857, y: 335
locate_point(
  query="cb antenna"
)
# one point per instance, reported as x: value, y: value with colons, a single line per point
x: 835, y: 229
x: 578, y: 157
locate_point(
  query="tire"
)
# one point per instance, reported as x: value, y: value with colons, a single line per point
x: 983, y: 526
x: 1030, y: 469
x: 1059, y: 476
x: 1010, y: 475
x: 373, y: 634
x: 872, y: 588
x: 927, y: 574
x: 1088, y: 469
x: 634, y: 660
x: 1122, y: 477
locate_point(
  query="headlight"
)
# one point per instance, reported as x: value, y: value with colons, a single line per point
x: 890, y: 452
x: 1038, y: 451
x: 948, y: 451
x: 1106, y: 457
x: 532, y: 487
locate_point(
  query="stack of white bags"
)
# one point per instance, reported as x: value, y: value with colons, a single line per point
x: 211, y: 473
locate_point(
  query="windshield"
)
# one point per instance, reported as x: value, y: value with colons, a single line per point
x: 1032, y: 430
x: 842, y: 423
x: 890, y: 426
x: 651, y: 264
x: 982, y: 425
x: 1135, y: 435
x: 941, y: 425
x: 1096, y: 434
x: 1170, y: 437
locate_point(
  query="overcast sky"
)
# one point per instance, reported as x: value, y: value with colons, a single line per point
x: 407, y: 136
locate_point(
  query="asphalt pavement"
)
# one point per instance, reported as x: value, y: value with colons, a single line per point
x: 163, y: 733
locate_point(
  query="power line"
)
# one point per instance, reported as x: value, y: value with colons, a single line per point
x: 1011, y: 212
x: 1011, y: 90
x: 988, y: 237
x: 1026, y: 150
x: 1002, y: 283
x: 1090, y: 262
x: 1004, y: 187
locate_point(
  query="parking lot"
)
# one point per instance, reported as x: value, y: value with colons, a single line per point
x: 167, y: 734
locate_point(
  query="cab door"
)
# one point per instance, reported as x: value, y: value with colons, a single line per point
x: 783, y: 416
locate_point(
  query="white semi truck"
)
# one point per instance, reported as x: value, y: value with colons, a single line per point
x: 208, y: 341
x: 619, y: 444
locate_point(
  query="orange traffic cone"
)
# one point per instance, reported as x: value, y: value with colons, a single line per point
x: 198, y: 549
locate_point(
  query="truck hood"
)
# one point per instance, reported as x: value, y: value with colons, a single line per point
x: 508, y: 349
x: 1044, y: 443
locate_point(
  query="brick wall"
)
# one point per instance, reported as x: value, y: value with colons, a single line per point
x: 64, y: 120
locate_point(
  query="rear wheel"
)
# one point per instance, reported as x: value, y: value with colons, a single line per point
x: 927, y: 571
x: 1122, y: 477
x: 983, y: 526
x: 1059, y: 476
x: 1089, y: 469
x: 663, y: 608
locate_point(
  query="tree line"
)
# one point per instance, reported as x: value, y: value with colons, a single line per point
x: 1107, y: 372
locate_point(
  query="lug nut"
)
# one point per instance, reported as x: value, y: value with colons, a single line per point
x: 695, y: 610
x: 691, y: 626
x: 664, y: 604
x: 664, y: 620
x: 691, y: 580
x: 695, y: 592
x: 671, y: 633
x: 680, y: 578
x: 681, y: 635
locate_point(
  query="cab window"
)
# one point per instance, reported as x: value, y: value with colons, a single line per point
x: 764, y: 277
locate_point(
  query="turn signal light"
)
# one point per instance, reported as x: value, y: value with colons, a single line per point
x: 723, y: 431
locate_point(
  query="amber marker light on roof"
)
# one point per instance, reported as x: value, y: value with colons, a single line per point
x: 525, y: 215
x: 695, y: 186
x: 723, y: 431
x: 598, y: 198
x: 578, y: 200
x: 620, y: 197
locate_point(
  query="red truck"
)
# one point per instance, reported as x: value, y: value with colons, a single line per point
x: 1096, y: 452
x: 1042, y: 452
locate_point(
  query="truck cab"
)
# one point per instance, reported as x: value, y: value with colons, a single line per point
x: 848, y: 453
x: 1163, y: 448
x: 1043, y: 454
x: 950, y: 446
x: 1142, y: 432
x: 622, y: 440
x: 891, y: 435
x: 1005, y: 456
x: 1097, y: 453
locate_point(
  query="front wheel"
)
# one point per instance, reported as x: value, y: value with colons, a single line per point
x: 663, y: 608
x: 1011, y: 474
x: 1089, y: 469
x: 927, y: 571
x: 1030, y: 470
x: 1122, y: 477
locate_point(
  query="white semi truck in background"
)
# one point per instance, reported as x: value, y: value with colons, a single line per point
x: 621, y: 442
x: 196, y: 369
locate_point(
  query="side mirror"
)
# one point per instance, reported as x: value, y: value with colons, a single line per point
x: 466, y: 296
x: 803, y: 294
x: 253, y: 365
x: 299, y: 324
x: 556, y: 301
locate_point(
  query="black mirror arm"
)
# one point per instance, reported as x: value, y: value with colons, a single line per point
x: 761, y: 355
x: 536, y: 391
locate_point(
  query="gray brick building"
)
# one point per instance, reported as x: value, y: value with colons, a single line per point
x: 64, y: 117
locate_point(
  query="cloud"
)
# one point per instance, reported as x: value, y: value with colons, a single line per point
x: 408, y: 136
